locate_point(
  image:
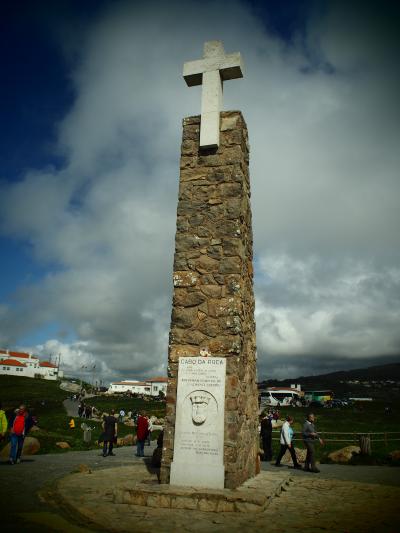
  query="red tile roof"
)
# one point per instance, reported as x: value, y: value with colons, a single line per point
x: 158, y: 380
x: 140, y: 383
x: 11, y: 362
x: 47, y: 364
x: 22, y: 354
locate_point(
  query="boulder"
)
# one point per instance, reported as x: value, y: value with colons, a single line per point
x: 34, y: 428
x: 344, y: 454
x: 31, y: 446
x: 395, y: 455
x: 63, y: 445
x: 300, y: 454
x: 129, y: 440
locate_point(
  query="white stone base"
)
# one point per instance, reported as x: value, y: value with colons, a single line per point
x: 191, y: 475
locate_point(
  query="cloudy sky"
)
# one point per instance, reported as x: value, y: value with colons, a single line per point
x: 92, y: 98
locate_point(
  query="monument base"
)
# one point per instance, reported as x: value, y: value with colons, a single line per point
x: 253, y: 496
x: 193, y: 475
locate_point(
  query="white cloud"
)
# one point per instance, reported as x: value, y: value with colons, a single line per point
x: 324, y: 173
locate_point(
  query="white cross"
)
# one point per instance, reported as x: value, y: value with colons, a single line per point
x: 211, y: 72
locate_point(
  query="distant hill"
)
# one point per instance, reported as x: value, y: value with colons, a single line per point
x: 373, y: 381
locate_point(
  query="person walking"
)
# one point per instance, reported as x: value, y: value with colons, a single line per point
x: 286, y: 443
x: 142, y: 430
x: 110, y: 428
x: 266, y: 436
x: 310, y: 435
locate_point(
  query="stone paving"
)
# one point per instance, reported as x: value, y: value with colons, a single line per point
x: 341, y: 499
x: 310, y: 504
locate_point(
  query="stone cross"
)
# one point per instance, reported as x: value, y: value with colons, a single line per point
x: 211, y: 72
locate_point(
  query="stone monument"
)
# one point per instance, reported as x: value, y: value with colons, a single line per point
x: 211, y: 428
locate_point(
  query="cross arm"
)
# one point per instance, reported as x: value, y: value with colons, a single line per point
x: 230, y: 67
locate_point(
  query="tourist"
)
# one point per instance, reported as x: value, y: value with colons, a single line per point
x: 88, y: 412
x: 150, y: 429
x: 310, y: 435
x: 110, y: 428
x: 142, y: 430
x: 20, y: 426
x: 121, y: 415
x: 286, y: 443
x: 81, y: 409
x: 3, y: 423
x: 266, y: 436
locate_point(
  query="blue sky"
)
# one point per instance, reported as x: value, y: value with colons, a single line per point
x: 92, y: 101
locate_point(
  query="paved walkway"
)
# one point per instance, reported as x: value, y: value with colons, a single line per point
x: 19, y: 484
x: 21, y: 504
x: 72, y: 406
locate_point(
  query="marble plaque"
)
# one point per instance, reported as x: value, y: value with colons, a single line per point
x: 199, y: 426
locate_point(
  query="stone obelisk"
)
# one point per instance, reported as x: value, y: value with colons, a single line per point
x: 211, y: 437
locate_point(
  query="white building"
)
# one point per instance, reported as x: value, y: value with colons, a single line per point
x: 158, y: 384
x: 133, y: 386
x: 150, y: 387
x: 26, y: 365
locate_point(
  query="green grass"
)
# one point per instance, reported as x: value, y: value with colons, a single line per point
x: 136, y: 405
x: 370, y: 419
x: 45, y: 399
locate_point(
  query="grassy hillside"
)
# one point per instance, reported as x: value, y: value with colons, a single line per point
x: 38, y: 394
x: 45, y: 399
x: 136, y: 405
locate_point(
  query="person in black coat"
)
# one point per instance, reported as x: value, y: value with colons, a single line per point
x: 110, y: 433
x: 266, y: 436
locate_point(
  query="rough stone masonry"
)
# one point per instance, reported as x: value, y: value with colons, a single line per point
x: 213, y: 300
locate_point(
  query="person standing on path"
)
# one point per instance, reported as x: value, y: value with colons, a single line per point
x: 310, y: 435
x: 266, y: 436
x: 110, y: 427
x: 142, y: 431
x: 286, y: 443
x: 17, y: 434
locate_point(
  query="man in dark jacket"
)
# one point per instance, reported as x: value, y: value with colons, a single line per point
x: 266, y: 436
x: 110, y: 433
x: 310, y: 435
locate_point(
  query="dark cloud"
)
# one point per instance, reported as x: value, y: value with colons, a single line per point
x: 324, y: 170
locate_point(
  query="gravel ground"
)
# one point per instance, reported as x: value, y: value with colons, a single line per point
x: 21, y: 505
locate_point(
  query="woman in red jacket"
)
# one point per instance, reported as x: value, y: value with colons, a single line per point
x: 142, y: 430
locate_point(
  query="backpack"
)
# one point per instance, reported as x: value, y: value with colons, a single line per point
x: 19, y: 425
